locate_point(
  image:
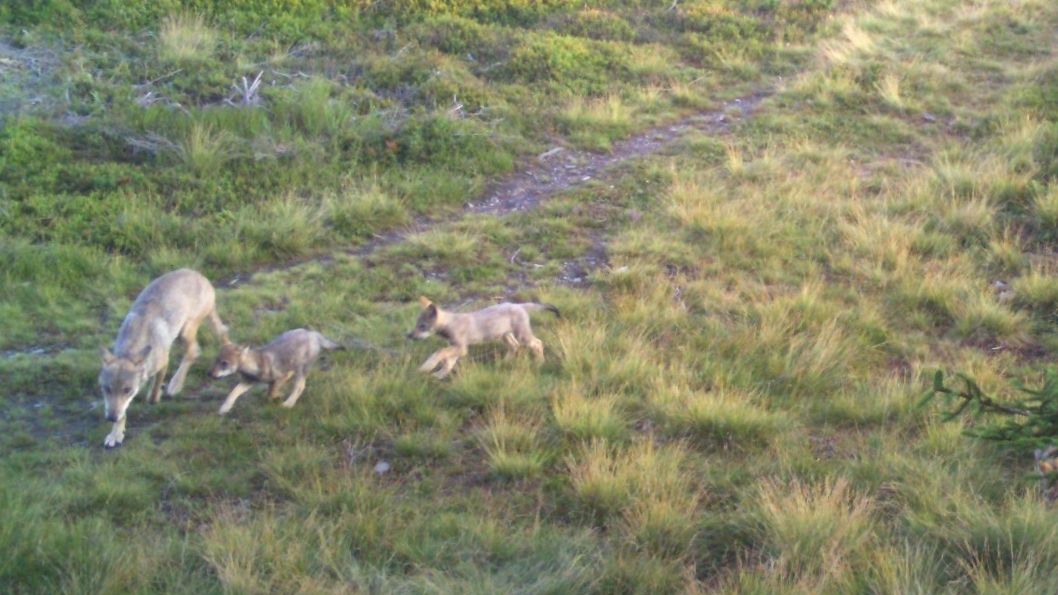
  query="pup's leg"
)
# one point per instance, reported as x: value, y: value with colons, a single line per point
x: 537, y: 347
x: 524, y: 334
x: 450, y: 361
x: 512, y: 344
x: 432, y: 361
x: 235, y: 393
x: 299, y: 386
x: 116, y: 435
x: 273, y: 389
x: 191, y: 351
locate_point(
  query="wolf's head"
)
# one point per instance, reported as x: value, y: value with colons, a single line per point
x: 427, y: 322
x: 120, y: 379
x: 227, y: 362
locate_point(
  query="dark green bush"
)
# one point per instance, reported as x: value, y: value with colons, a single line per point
x: 570, y: 63
x: 594, y: 23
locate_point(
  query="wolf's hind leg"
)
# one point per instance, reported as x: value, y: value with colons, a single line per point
x: 219, y: 328
x: 191, y: 351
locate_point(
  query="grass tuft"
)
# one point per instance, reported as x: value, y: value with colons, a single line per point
x: 185, y: 37
x: 814, y: 531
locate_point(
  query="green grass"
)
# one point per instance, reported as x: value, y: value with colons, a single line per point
x: 729, y: 401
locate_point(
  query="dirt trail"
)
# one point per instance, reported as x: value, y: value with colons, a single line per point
x: 553, y: 172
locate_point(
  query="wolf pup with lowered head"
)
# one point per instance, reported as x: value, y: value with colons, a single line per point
x: 506, y: 321
x: 289, y: 355
x: 171, y: 306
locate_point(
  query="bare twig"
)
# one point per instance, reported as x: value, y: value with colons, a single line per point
x: 163, y: 77
x: 248, y: 91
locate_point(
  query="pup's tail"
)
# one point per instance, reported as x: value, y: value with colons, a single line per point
x: 328, y: 344
x: 349, y: 343
x: 366, y: 346
x: 535, y: 307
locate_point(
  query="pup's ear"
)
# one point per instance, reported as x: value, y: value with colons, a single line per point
x: 425, y: 302
x: 108, y: 358
x: 139, y: 359
x: 431, y: 312
x: 243, y: 350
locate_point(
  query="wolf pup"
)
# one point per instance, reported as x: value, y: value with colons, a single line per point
x: 506, y: 321
x: 1047, y: 467
x: 289, y: 355
x: 171, y: 306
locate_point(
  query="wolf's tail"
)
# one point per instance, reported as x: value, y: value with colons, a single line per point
x: 535, y: 307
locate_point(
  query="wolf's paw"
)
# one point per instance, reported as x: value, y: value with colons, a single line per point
x: 287, y: 404
x: 114, y: 439
x: 224, y: 409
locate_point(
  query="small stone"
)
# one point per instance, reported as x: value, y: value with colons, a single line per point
x: 382, y: 467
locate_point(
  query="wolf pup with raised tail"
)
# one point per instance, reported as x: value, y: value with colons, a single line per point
x: 171, y: 306
x: 507, y: 322
x: 288, y: 356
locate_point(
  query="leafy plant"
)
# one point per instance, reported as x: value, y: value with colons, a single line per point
x: 1031, y: 422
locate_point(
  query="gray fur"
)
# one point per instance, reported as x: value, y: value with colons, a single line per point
x: 173, y: 305
x: 288, y: 356
x: 507, y: 322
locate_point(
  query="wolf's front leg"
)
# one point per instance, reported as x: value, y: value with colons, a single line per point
x: 116, y: 435
x: 235, y: 393
x: 156, y: 385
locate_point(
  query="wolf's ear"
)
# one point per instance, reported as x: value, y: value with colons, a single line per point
x: 426, y: 303
x: 243, y: 350
x: 108, y: 358
x: 431, y: 311
x: 141, y: 356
